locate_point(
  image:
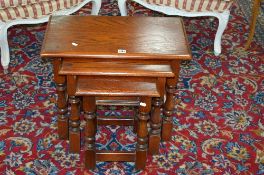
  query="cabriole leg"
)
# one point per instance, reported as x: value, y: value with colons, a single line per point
x: 5, y: 55
x: 222, y: 23
x: 122, y: 7
x: 96, y: 5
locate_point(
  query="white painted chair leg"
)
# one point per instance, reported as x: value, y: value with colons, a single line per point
x: 223, y: 20
x: 96, y: 5
x: 122, y: 7
x: 5, y: 56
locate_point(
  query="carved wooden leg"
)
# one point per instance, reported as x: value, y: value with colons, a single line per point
x: 155, y: 123
x: 89, y: 108
x: 142, y: 133
x: 74, y: 133
x: 63, y: 120
x: 169, y: 103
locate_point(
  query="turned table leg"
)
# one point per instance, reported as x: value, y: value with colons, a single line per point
x: 63, y: 120
x: 155, y: 123
x: 255, y: 13
x: 74, y: 133
x: 89, y: 108
x: 169, y: 103
x: 142, y: 133
x: 135, y: 120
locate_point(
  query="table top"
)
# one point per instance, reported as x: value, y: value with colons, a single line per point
x: 116, y: 37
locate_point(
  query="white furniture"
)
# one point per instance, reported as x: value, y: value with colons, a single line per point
x: 13, y: 12
x: 190, y: 8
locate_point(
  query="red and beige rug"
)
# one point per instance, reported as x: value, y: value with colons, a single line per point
x: 218, y: 119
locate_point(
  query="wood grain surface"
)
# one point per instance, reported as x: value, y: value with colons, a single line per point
x: 116, y: 68
x: 105, y: 36
x: 121, y: 86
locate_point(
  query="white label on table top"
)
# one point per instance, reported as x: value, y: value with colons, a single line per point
x: 74, y: 44
x: 121, y: 51
x: 142, y: 104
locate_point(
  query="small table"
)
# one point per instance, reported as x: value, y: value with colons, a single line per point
x: 137, y: 43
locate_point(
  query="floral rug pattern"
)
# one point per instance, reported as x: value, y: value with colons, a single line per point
x: 218, y: 119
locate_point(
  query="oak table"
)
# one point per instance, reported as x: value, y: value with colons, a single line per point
x: 115, y: 56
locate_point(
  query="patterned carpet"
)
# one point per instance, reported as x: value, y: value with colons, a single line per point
x: 218, y: 121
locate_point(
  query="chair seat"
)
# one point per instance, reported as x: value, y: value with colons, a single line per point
x: 32, y: 8
x: 14, y: 3
x: 194, y: 5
